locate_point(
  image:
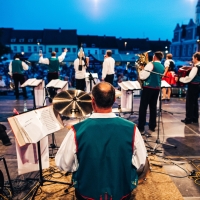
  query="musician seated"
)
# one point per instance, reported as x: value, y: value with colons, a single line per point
x: 103, y: 151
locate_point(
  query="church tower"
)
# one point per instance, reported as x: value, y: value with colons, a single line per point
x: 197, y: 20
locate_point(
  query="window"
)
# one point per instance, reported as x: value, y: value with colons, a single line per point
x: 69, y: 49
x: 35, y: 48
x: 30, y: 40
x: 13, y: 40
x: 74, y: 50
x: 39, y: 40
x: 50, y: 50
x: 29, y: 48
x: 103, y: 51
x: 15, y: 48
x: 41, y: 48
x: 21, y: 48
x: 93, y: 45
x: 21, y: 40
x: 56, y: 50
x: 95, y: 51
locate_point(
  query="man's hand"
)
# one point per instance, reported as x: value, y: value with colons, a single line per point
x: 40, y: 54
x: 65, y: 50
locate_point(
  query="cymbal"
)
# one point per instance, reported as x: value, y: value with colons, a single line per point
x: 73, y: 103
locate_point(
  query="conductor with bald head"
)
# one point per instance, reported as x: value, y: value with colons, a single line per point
x: 104, y: 151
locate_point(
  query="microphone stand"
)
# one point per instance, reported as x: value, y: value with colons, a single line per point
x: 154, y: 150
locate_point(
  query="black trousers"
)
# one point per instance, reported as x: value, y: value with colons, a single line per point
x: 19, y: 78
x: 80, y: 84
x: 192, y: 107
x: 51, y: 76
x: 109, y: 78
x: 149, y: 97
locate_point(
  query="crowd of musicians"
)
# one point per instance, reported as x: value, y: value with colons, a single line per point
x: 105, y: 152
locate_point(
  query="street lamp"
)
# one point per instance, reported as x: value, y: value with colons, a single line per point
x: 198, y: 43
x: 38, y: 47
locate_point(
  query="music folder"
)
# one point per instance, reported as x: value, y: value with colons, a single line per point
x: 33, y: 82
x: 32, y: 126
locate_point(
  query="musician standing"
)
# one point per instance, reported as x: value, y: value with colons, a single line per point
x: 108, y: 70
x: 80, y: 66
x: 168, y: 76
x: 193, y: 80
x: 103, y: 151
x: 150, y: 92
x: 16, y: 68
x: 53, y: 67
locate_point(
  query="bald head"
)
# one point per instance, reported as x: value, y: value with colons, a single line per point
x: 104, y: 95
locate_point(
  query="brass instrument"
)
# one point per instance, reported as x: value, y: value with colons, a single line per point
x: 141, y: 63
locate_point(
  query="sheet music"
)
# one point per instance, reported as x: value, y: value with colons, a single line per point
x: 57, y: 83
x: 38, y: 123
x: 28, y: 82
x: 164, y: 84
x: 36, y: 82
x: 130, y: 85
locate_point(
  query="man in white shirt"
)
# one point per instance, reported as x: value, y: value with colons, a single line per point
x: 80, y: 66
x: 108, y: 70
x: 104, y: 151
x: 193, y: 80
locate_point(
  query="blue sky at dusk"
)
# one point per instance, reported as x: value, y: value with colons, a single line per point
x: 121, y: 18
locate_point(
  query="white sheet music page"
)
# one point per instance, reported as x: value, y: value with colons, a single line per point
x: 136, y: 85
x: 164, y: 84
x: 36, y: 82
x: 60, y: 84
x: 122, y: 86
x: 28, y: 82
x: 128, y: 85
x: 52, y: 83
x: 39, y: 123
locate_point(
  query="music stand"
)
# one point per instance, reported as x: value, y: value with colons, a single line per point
x: 38, y: 89
x: 164, y: 84
x: 90, y: 78
x: 58, y: 86
x: 128, y: 88
x: 154, y: 150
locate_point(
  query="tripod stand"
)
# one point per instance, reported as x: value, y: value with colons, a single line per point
x: 41, y: 178
x: 154, y: 150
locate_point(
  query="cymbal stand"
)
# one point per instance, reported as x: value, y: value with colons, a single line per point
x: 154, y: 149
x: 91, y: 78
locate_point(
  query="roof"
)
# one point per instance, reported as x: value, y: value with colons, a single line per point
x: 60, y: 37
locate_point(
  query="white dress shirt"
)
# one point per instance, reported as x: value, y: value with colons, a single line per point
x: 46, y: 60
x: 66, y: 158
x: 79, y: 74
x: 144, y: 74
x: 191, y: 75
x: 108, y: 67
x: 24, y: 66
x: 167, y: 62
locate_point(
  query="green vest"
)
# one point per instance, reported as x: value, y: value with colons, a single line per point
x: 17, y: 66
x: 154, y: 80
x: 196, y: 79
x: 53, y: 65
x: 104, y: 152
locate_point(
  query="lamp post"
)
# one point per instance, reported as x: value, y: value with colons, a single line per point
x: 38, y: 47
x: 198, y: 45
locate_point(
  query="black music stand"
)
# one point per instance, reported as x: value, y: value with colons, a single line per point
x: 55, y: 84
x: 91, y: 78
x: 8, y: 175
x: 154, y: 150
x: 41, y: 179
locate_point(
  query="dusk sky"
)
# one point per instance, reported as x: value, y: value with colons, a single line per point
x: 121, y: 18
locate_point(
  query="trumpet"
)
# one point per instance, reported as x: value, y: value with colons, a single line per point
x: 141, y: 63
